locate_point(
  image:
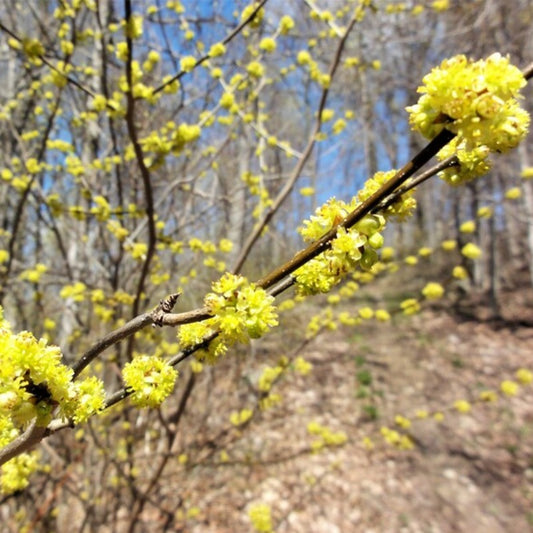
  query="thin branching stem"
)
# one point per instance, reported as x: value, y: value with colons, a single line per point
x: 289, y: 185
x: 225, y: 41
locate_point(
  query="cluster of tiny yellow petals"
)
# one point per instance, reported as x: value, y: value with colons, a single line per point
x: 150, y: 380
x: 410, y: 306
x: 201, y: 337
x: 32, y: 377
x: 269, y: 375
x: 433, y: 291
x: 15, y: 473
x: 240, y: 309
x: 302, y: 366
x: 474, y: 99
x: 402, y: 208
x: 89, y: 398
x: 326, y: 437
x: 396, y: 439
x: 524, y: 376
x: 238, y: 418
x: 472, y: 163
x: 260, y: 517
x: 462, y: 406
x: 471, y: 250
x: 33, y: 382
x: 350, y: 248
x: 509, y: 388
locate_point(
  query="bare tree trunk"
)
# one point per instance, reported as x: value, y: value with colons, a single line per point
x: 368, y: 127
x: 527, y: 187
x: 237, y: 200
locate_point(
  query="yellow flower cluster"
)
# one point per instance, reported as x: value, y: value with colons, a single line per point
x: 402, y: 208
x: 433, y: 291
x: 241, y: 311
x: 353, y: 247
x: 238, y: 418
x: 397, y: 439
x: 150, y: 379
x: 15, y: 473
x: 474, y: 99
x: 33, y: 382
x: 349, y: 249
x: 472, y: 163
x: 326, y: 437
x: 260, y: 517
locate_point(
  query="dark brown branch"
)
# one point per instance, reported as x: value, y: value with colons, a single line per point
x: 145, y: 173
x: 322, y: 244
x: 451, y: 161
x: 23, y: 443
x: 127, y: 330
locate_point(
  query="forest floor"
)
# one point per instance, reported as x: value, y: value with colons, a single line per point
x: 467, y: 473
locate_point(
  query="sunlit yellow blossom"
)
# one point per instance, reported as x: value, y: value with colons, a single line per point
x: 513, y: 193
x: 267, y: 378
x: 268, y: 44
x: 286, y: 24
x: 527, y: 173
x: 74, y: 291
x: 449, y: 245
x: 488, y: 396
x: 524, y: 376
x: 237, y: 418
x: 218, y: 49
x: 260, y: 516
x: 509, y: 388
x: 241, y: 309
x: 410, y: 306
x: 459, y: 272
x: 401, y: 208
x: 382, y: 315
x: 440, y: 5
x: 366, y: 313
x: 401, y: 421
x: 255, y: 69
x: 187, y: 63
x: 302, y: 366
x: 387, y: 253
x: 134, y: 26
x: 303, y: 57
x: 462, y: 406
x: 471, y: 163
x: 150, y: 380
x: 433, y: 291
x: 471, y: 251
x: 15, y: 473
x: 484, y: 212
x: 475, y: 100
x: 307, y: 191
x: 467, y: 227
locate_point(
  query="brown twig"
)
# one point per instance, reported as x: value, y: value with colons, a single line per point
x: 366, y: 207
x: 451, y: 161
x: 289, y: 185
x: 225, y: 41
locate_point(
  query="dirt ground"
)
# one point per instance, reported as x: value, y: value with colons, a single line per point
x: 467, y: 473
